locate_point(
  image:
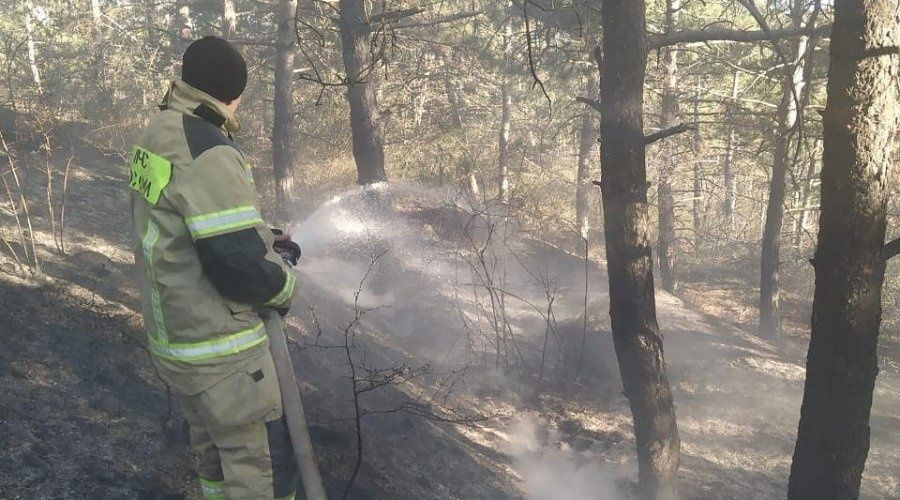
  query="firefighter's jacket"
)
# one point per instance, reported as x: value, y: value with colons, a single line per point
x: 204, y: 256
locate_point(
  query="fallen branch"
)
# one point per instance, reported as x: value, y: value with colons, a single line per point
x: 662, y: 134
x: 424, y: 411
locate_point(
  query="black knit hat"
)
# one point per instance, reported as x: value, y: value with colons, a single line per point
x: 214, y: 66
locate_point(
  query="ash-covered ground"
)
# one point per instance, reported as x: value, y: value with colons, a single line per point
x: 477, y: 373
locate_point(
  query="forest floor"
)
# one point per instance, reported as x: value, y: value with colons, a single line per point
x: 82, y: 414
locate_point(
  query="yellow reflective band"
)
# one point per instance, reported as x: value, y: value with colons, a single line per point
x: 147, y: 244
x: 286, y: 291
x: 222, y: 221
x: 212, y: 490
x: 150, y: 174
x: 232, y: 344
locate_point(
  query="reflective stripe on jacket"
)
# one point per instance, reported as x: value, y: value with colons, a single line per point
x: 204, y: 254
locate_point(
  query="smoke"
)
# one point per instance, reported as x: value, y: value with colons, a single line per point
x: 550, y: 469
x: 426, y: 298
x: 423, y: 290
x: 427, y: 304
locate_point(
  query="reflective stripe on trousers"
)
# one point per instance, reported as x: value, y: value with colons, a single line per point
x: 212, y: 490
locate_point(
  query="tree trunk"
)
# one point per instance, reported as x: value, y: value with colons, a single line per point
x: 32, y: 47
x: 229, y: 19
x: 728, y: 172
x: 861, y: 119
x: 697, y: 203
x: 99, y: 67
x: 666, y: 238
x: 770, y: 260
x: 368, y: 149
x: 466, y: 166
x: 807, y: 188
x: 506, y: 108
x: 99, y: 46
x: 283, y: 133
x: 183, y: 26
x: 96, y: 14
x: 667, y: 117
x: 788, y: 112
x: 587, y: 137
x: 638, y: 343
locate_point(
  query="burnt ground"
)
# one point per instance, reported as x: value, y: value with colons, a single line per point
x: 82, y: 414
x: 81, y: 417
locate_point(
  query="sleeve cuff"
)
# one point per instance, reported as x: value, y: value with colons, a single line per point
x: 287, y: 291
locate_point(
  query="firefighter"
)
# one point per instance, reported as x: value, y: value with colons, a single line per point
x: 207, y: 264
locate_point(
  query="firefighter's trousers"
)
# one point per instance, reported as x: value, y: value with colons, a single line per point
x: 237, y: 428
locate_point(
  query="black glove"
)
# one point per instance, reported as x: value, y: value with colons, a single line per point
x: 288, y: 249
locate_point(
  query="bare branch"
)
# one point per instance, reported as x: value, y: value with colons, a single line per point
x: 394, y: 15
x: 593, y: 103
x: 254, y: 43
x: 662, y: 134
x: 891, y: 250
x: 537, y: 80
x: 710, y: 35
x: 433, y: 22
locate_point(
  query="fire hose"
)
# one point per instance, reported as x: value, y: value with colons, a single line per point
x: 293, y: 407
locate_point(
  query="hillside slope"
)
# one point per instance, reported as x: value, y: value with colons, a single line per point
x: 82, y: 414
